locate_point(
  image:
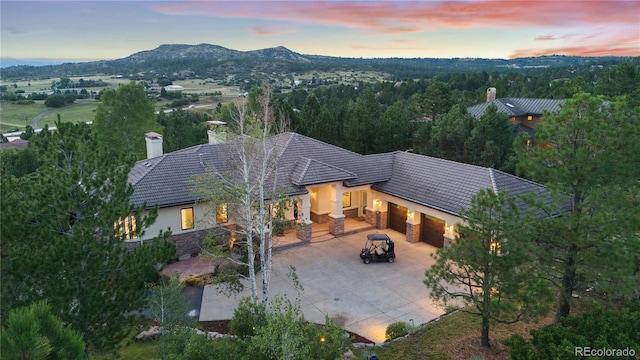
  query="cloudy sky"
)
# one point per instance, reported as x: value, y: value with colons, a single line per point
x: 94, y: 30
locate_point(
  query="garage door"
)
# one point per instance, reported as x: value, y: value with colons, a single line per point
x: 398, y: 218
x: 432, y: 231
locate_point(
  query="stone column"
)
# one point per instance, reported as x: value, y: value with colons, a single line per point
x: 413, y: 227
x: 449, y: 234
x: 336, y: 224
x: 336, y: 218
x: 304, y: 230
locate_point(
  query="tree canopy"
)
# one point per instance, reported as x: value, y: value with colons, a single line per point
x: 123, y: 117
x: 66, y: 243
x: 489, y: 266
x: 586, y: 155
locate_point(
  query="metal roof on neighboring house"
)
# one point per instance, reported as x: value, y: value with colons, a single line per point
x: 518, y: 106
x: 167, y: 180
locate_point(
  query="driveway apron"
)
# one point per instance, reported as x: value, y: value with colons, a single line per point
x: 361, y: 298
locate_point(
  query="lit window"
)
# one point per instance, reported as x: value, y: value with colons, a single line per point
x: 126, y: 228
x: 346, y: 200
x: 187, y: 218
x: 494, y: 247
x: 221, y: 213
x: 529, y: 117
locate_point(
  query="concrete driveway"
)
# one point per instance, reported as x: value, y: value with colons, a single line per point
x: 361, y: 298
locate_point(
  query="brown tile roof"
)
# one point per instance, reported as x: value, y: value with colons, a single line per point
x: 440, y: 184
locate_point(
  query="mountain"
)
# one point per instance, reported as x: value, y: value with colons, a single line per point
x: 217, y: 62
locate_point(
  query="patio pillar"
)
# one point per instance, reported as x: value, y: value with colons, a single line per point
x: 336, y: 217
x: 303, y: 223
x: 449, y: 234
x: 413, y: 226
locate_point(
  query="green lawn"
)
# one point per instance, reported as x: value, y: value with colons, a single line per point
x: 14, y: 116
x: 74, y: 114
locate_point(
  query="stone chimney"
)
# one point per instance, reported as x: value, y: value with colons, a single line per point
x: 154, y: 144
x: 491, y: 94
x: 217, y: 132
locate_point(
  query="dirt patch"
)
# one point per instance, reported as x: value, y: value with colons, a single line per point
x: 469, y: 347
x: 222, y: 327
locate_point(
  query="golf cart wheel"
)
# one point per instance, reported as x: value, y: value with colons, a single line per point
x: 391, y: 259
x: 366, y: 260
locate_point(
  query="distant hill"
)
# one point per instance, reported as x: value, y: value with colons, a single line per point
x: 217, y: 62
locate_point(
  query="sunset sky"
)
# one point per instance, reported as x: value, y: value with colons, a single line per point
x: 94, y: 30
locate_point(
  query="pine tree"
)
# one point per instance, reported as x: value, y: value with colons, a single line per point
x: 489, y: 266
x: 123, y: 117
x: 586, y: 154
x: 61, y: 241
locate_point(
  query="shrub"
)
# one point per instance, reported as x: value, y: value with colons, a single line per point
x: 396, y: 330
x: 55, y: 101
x: 249, y: 316
x: 598, y: 328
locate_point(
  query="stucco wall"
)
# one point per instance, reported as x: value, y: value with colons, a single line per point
x: 171, y: 218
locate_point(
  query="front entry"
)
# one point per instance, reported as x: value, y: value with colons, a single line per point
x: 398, y: 218
x: 432, y: 231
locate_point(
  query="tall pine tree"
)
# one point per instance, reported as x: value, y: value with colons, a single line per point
x: 62, y: 240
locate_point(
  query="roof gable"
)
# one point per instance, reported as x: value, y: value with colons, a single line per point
x: 309, y: 172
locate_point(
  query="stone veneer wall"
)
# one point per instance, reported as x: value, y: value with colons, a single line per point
x: 304, y: 231
x: 319, y: 218
x: 336, y: 226
x: 370, y: 217
x: 189, y: 243
x: 413, y: 233
x: 351, y: 213
x: 376, y: 218
x: 382, y: 219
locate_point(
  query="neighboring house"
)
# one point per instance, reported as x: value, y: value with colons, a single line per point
x: 417, y: 195
x: 174, y: 88
x: 524, y: 113
x: 15, y: 144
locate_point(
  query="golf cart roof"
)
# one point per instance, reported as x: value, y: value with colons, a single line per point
x: 373, y: 237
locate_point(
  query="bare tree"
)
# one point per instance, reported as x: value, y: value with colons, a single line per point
x: 249, y: 192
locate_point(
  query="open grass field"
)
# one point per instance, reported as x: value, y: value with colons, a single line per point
x: 14, y: 116
x: 73, y: 114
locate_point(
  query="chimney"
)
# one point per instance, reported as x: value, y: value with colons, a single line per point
x: 491, y: 94
x: 217, y: 132
x: 154, y: 144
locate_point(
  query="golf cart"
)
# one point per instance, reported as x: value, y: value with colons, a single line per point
x: 379, y: 247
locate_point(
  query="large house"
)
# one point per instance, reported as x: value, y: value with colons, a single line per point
x: 419, y: 196
x: 524, y: 113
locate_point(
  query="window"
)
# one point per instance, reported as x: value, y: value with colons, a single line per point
x: 186, y: 216
x: 126, y: 228
x: 346, y: 199
x: 221, y: 213
x: 529, y: 117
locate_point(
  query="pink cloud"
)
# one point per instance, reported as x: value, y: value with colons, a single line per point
x: 262, y: 30
x: 545, y: 37
x: 403, y: 16
x: 617, y: 18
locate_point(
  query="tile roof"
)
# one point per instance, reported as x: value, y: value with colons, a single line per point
x: 167, y: 180
x: 517, y: 106
x: 309, y: 172
x: 447, y: 185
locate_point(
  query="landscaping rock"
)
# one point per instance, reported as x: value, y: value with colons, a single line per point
x: 148, y: 335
